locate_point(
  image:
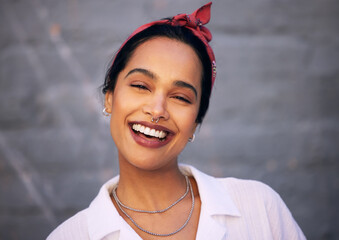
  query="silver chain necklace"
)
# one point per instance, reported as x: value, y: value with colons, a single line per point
x: 156, y: 211
x: 152, y: 233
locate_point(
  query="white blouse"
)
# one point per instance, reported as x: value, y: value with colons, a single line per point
x: 230, y: 209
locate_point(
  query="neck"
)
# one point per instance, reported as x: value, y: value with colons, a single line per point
x: 150, y: 189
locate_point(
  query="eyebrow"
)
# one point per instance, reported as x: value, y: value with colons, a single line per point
x: 186, y: 85
x: 153, y: 76
x: 142, y: 71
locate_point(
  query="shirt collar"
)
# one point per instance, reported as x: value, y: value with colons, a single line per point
x: 213, y: 194
x: 104, y: 219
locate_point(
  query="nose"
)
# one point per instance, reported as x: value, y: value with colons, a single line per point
x: 156, y: 107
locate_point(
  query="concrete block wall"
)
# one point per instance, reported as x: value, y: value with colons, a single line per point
x: 273, y: 117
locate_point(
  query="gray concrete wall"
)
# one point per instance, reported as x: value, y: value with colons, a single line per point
x: 273, y: 117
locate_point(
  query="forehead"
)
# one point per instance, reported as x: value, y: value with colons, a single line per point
x: 168, y: 58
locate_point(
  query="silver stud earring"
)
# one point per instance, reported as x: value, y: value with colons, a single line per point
x: 105, y: 113
x: 191, y: 139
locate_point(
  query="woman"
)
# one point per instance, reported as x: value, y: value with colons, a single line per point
x: 156, y: 93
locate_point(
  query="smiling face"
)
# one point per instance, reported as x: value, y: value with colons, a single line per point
x: 162, y: 80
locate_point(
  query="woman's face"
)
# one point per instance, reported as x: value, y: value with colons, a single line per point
x: 162, y: 80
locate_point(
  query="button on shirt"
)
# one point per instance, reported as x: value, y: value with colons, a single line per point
x: 230, y: 209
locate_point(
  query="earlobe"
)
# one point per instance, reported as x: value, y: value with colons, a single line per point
x: 191, y: 139
x: 194, y: 128
x: 108, y: 102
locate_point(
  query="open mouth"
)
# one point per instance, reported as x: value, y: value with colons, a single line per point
x: 149, y: 132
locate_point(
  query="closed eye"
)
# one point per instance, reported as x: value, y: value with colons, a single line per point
x: 183, y: 99
x: 139, y: 86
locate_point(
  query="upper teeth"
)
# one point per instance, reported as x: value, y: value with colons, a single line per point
x: 149, y: 131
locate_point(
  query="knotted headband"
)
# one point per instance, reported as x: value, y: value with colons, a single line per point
x: 193, y: 22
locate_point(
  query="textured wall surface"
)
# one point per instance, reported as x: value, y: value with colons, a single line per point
x: 274, y: 113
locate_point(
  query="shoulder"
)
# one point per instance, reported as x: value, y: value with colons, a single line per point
x: 98, y: 220
x: 73, y: 228
x: 237, y: 189
x: 259, y: 203
x: 252, y: 196
x: 252, y: 190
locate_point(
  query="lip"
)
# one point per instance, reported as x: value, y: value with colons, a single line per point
x: 151, y: 142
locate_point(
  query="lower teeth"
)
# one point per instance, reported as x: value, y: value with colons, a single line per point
x: 160, y: 139
x: 148, y: 136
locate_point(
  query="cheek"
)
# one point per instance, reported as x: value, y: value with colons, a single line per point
x: 120, y: 107
x: 121, y: 102
x: 116, y: 108
x: 185, y: 119
x: 124, y: 104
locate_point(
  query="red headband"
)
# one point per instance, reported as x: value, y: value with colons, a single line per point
x: 194, y: 23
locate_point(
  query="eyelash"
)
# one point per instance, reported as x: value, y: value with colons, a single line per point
x: 183, y: 99
x: 143, y: 87
x: 139, y: 86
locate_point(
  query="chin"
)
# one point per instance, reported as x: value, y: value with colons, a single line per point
x: 151, y: 163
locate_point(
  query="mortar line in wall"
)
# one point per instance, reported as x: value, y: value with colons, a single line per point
x: 34, y: 61
x: 65, y: 52
x: 25, y: 172
x: 14, y: 157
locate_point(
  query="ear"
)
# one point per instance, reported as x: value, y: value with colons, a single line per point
x: 194, y: 128
x: 108, y: 101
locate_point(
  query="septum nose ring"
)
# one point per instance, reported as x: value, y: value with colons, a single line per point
x: 156, y: 120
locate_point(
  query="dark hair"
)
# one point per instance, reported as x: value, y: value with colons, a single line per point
x: 173, y: 32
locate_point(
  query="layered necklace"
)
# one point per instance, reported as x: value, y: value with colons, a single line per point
x: 122, y: 206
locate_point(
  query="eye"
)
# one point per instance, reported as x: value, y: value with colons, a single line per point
x: 183, y: 99
x: 139, y: 86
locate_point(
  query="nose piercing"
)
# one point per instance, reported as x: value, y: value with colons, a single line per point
x: 155, y: 120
